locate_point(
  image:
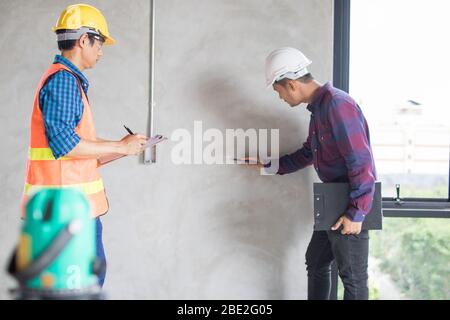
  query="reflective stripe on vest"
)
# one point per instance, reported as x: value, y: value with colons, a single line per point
x: 43, y: 154
x: 87, y: 187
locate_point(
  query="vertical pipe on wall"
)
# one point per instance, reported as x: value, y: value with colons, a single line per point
x: 150, y: 153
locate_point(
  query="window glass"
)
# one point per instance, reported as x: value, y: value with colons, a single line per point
x: 399, y: 75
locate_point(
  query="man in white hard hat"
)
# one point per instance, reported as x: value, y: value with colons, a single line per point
x: 338, y: 146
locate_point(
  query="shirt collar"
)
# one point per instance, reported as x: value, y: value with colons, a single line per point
x: 74, y: 69
x: 317, y: 97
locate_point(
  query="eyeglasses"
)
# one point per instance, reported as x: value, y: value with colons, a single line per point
x: 99, y: 44
x: 98, y: 40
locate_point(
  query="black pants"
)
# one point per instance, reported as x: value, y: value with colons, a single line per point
x: 351, y: 253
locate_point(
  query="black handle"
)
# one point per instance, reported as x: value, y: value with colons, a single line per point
x: 398, y: 199
x: 45, y: 258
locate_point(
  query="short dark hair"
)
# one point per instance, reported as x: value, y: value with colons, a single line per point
x: 69, y: 44
x: 307, y: 78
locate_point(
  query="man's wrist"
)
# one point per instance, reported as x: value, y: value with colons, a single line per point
x: 356, y: 217
x: 118, y: 147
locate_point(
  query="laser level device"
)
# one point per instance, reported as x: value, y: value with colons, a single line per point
x: 55, y: 257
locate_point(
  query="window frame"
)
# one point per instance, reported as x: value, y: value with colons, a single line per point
x: 392, y: 207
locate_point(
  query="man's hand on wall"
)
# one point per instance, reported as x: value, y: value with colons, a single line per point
x: 250, y: 162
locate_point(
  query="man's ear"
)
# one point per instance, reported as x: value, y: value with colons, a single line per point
x: 84, y: 40
x: 291, y: 85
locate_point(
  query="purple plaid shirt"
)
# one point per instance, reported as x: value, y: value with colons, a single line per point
x: 338, y: 146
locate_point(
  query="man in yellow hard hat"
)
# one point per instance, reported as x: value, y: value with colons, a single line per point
x: 64, y: 148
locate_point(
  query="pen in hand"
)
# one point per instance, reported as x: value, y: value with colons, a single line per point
x: 135, y: 143
x: 128, y: 129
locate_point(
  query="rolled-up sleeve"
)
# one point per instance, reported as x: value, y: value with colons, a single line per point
x: 350, y: 131
x: 62, y: 107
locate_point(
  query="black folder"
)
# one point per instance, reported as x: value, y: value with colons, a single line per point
x: 331, y: 201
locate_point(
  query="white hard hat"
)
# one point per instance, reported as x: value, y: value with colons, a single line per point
x: 284, y: 63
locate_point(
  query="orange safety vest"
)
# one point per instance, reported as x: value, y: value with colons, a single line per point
x: 44, y: 171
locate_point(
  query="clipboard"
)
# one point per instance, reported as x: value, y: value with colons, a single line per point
x: 112, y: 157
x: 331, y: 201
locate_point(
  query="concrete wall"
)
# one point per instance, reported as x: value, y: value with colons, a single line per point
x: 187, y: 231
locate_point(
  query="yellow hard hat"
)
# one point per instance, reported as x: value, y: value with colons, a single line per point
x: 83, y: 15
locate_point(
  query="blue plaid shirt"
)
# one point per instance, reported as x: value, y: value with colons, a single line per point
x: 62, y: 107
